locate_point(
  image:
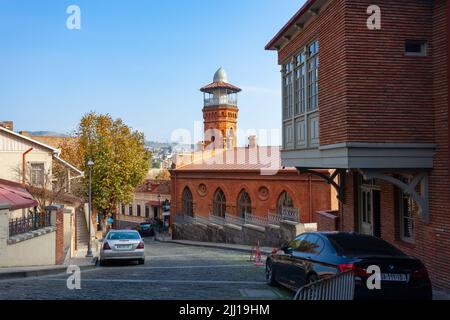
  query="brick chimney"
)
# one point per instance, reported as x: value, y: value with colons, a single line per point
x: 7, y: 125
x: 252, y: 142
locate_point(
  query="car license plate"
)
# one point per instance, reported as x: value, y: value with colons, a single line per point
x: 124, y: 247
x: 394, y: 277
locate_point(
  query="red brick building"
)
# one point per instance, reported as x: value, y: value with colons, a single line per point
x: 223, y: 179
x: 376, y: 110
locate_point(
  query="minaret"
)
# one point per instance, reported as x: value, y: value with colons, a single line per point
x: 220, y: 112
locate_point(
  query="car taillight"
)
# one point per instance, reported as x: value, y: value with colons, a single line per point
x: 358, y: 271
x: 106, y: 246
x: 141, y: 246
x: 420, y: 273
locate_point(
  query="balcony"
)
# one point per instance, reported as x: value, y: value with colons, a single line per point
x: 362, y: 155
x: 221, y: 101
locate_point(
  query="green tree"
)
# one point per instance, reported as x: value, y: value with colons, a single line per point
x: 121, y: 161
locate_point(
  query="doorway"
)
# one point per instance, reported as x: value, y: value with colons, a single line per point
x: 369, y: 209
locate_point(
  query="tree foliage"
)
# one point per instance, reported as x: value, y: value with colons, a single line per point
x: 121, y: 161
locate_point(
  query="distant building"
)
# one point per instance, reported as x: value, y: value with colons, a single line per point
x: 222, y: 181
x: 147, y: 204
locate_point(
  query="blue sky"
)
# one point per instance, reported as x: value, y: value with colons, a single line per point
x: 142, y: 61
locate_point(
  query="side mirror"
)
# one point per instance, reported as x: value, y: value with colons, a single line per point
x: 285, y: 247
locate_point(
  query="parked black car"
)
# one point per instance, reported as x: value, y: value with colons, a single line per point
x: 146, y: 229
x: 314, y: 256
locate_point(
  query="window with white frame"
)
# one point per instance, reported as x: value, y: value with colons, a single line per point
x: 301, y: 98
x: 37, y: 174
x: 406, y: 208
x: 288, y: 90
x: 313, y: 75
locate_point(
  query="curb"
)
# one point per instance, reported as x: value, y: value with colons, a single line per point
x: 266, y: 253
x: 43, y: 272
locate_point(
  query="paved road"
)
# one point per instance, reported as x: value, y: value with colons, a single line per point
x: 171, y: 272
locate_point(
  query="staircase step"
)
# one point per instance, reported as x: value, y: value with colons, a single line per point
x: 82, y: 238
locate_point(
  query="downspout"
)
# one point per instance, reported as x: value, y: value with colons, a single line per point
x: 310, y: 199
x: 24, y: 155
x: 448, y: 74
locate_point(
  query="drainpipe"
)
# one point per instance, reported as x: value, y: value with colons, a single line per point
x: 448, y: 70
x: 310, y: 200
x: 24, y: 155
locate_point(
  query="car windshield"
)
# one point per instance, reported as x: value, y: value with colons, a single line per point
x: 146, y: 225
x: 348, y: 244
x: 123, y: 236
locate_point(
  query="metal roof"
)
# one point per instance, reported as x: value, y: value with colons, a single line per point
x: 220, y: 81
x: 20, y: 136
x: 15, y: 195
x: 291, y: 23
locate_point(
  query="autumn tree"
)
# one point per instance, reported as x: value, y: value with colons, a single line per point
x: 121, y: 161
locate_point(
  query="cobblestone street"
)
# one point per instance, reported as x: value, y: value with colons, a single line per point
x: 171, y: 272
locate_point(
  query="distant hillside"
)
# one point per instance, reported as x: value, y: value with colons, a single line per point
x: 47, y: 134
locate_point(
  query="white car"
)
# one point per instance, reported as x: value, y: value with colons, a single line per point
x: 122, y: 245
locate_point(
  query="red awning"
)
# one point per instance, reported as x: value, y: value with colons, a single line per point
x: 16, y: 196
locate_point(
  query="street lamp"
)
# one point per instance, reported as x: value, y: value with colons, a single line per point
x: 89, y: 254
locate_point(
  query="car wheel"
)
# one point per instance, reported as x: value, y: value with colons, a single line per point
x: 312, y: 278
x: 270, y: 274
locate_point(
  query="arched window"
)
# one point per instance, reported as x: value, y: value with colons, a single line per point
x: 188, y: 204
x: 285, y: 201
x: 244, y: 204
x: 219, y: 204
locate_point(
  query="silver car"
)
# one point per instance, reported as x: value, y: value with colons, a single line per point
x: 122, y: 245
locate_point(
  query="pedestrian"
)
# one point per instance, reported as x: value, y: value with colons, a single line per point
x: 110, y: 222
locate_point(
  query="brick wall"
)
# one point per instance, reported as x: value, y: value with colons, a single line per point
x: 327, y: 220
x: 389, y: 94
x: 59, y: 247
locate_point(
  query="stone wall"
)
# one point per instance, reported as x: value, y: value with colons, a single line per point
x: 269, y: 236
x: 35, y: 248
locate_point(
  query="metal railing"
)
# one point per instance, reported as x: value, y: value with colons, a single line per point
x: 234, y: 220
x: 183, y: 219
x: 34, y: 221
x: 216, y: 219
x: 220, y: 101
x: 338, y: 287
x: 202, y: 220
x: 290, y: 214
x: 256, y: 220
x: 274, y: 219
